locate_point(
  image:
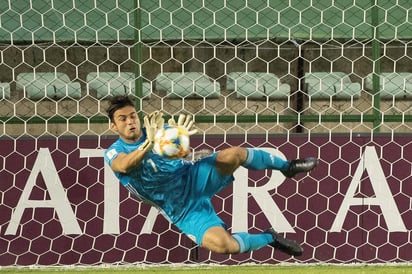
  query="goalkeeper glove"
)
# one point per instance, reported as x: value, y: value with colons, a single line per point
x: 152, y: 123
x: 184, y: 121
x: 157, y: 117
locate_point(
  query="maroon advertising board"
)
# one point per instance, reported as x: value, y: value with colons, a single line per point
x: 61, y: 205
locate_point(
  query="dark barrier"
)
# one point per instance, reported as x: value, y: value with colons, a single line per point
x: 60, y: 205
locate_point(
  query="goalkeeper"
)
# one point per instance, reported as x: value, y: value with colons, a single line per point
x: 182, y: 189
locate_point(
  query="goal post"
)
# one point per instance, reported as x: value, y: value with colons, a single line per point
x: 329, y: 79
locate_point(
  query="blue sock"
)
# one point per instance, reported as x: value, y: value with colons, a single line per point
x: 249, y: 242
x: 258, y: 160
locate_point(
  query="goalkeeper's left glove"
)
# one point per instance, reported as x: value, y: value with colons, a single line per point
x: 184, y: 121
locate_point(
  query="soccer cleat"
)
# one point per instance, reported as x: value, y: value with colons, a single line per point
x: 285, y: 245
x: 300, y: 165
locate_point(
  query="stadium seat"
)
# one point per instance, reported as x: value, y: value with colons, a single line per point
x: 257, y: 85
x: 323, y: 85
x: 115, y: 83
x: 187, y: 85
x: 392, y: 84
x: 48, y: 85
x: 4, y: 91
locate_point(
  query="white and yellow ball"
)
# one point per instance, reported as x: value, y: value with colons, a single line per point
x: 172, y: 142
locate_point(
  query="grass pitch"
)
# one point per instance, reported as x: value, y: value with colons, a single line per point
x: 263, y: 269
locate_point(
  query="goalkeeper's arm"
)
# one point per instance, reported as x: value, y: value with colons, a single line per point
x: 124, y: 162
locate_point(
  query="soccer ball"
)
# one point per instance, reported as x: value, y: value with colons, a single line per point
x: 172, y: 142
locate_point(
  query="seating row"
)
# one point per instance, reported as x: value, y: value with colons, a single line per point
x: 251, y: 85
x: 58, y: 85
x: 338, y: 84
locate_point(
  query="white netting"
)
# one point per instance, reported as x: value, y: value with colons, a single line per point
x: 284, y: 75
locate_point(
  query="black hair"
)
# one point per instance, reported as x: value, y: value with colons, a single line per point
x: 118, y: 102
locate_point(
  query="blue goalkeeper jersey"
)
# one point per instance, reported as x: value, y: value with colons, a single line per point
x: 157, y: 180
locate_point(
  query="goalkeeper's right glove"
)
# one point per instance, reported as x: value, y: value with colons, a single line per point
x: 152, y: 123
x: 158, y: 119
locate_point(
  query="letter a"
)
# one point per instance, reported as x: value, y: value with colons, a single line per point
x: 383, y: 196
x: 58, y: 199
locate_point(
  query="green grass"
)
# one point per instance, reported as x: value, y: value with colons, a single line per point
x: 309, y: 269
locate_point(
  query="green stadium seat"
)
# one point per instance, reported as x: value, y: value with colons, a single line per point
x: 257, y: 85
x: 49, y: 85
x: 115, y: 83
x: 392, y: 84
x: 323, y: 85
x: 187, y: 85
x: 4, y: 91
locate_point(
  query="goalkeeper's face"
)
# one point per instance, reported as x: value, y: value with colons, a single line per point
x: 127, y: 124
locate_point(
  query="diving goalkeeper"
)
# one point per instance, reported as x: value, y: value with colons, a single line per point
x: 182, y: 189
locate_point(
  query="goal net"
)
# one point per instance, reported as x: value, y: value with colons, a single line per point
x: 329, y: 79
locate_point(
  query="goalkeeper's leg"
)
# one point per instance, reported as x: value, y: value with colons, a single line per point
x: 218, y: 240
x: 228, y: 160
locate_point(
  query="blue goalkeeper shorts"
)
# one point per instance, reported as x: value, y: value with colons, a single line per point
x: 200, y: 215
